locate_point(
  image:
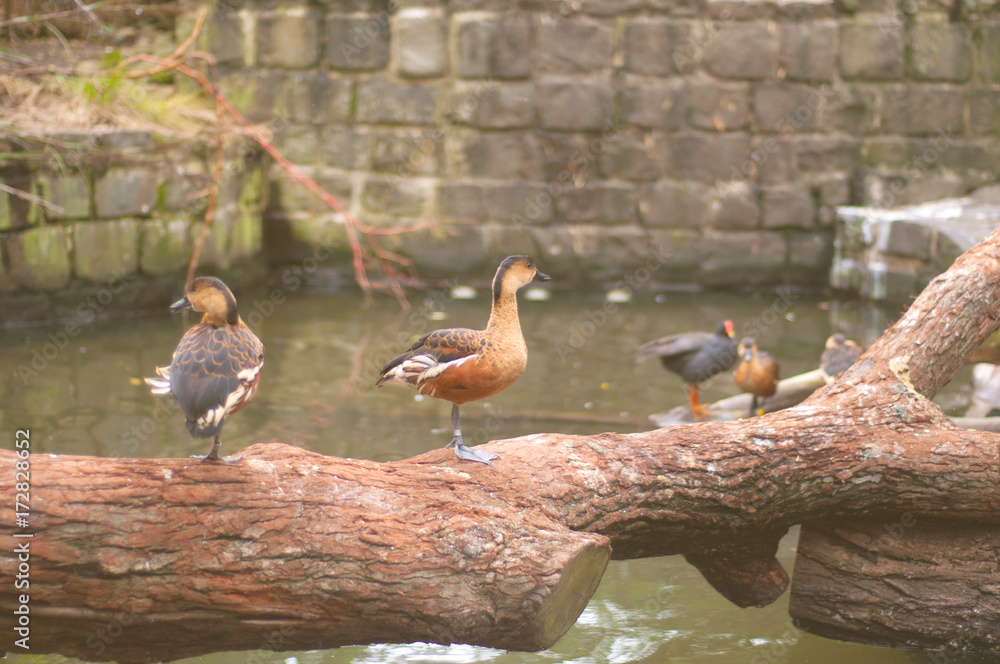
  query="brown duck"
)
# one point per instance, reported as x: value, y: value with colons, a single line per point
x: 461, y: 365
x: 216, y: 365
x: 757, y: 373
x: 839, y: 354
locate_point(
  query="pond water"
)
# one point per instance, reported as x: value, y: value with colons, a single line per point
x: 323, y: 353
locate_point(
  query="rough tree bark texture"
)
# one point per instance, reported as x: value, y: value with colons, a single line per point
x: 900, y: 579
x: 327, y: 551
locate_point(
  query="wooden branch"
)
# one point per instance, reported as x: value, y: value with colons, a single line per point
x: 900, y: 580
x: 335, y: 551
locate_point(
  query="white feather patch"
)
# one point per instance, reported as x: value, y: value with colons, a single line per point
x: 249, y: 374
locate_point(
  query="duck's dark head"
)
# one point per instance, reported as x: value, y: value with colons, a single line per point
x: 747, y: 348
x: 210, y: 296
x: 514, y: 273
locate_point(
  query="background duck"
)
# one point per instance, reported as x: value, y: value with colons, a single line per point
x: 694, y: 356
x: 757, y: 374
x: 461, y: 365
x: 216, y: 365
x: 839, y: 355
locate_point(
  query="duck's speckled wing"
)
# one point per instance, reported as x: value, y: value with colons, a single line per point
x: 430, y: 356
x: 214, y: 372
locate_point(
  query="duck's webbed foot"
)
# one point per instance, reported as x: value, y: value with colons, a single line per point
x: 214, y: 454
x: 463, y: 451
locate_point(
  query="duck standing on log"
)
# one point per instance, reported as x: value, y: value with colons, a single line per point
x: 461, y: 365
x: 695, y: 357
x: 757, y: 373
x: 216, y: 365
x: 839, y: 355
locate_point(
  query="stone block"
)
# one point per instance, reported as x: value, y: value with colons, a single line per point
x: 347, y: 148
x: 851, y: 109
x: 570, y: 159
x: 384, y: 102
x: 422, y: 40
x: 987, y: 45
x: 718, y: 106
x: 638, y: 156
x: 299, y: 143
x: 494, y: 105
x: 827, y: 153
x: 964, y: 157
x: 772, y: 160
x: 105, y: 249
x: 605, y: 204
x: 782, y: 107
x: 70, y: 191
x: 407, y: 152
x: 574, y: 46
x: 830, y: 194
x: 788, y: 207
x: 679, y: 253
x: 124, y: 140
x: 654, y: 104
x: 357, y: 43
x: 39, y: 258
x: 521, y: 204
x: 507, y: 154
x: 316, y: 98
x: 708, y: 157
x: 575, y: 105
x: 556, y: 252
x: 460, y: 201
x: 743, y: 49
x: 257, y: 94
x: 742, y: 258
x: 490, y: 48
x: 288, y: 39
x: 902, y: 237
x: 984, y: 111
x: 871, y: 50
x: 923, y: 109
x: 453, y: 250
x: 660, y: 47
x: 809, y: 50
x: 605, y: 251
x: 810, y: 256
x: 735, y: 207
x: 675, y: 204
x: 223, y: 36
x: 940, y: 51
x: 125, y: 191
x: 396, y: 196
x: 164, y: 247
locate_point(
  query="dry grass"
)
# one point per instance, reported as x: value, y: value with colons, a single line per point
x: 103, y: 101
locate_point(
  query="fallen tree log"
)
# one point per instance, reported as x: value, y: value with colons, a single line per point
x: 326, y: 552
x: 900, y: 580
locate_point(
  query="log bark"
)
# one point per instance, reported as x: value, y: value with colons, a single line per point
x: 900, y: 580
x: 326, y: 552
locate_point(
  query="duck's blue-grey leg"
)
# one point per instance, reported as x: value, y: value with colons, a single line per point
x: 214, y: 454
x: 463, y: 451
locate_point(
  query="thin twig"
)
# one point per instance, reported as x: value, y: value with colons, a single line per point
x: 89, y: 13
x: 31, y: 198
